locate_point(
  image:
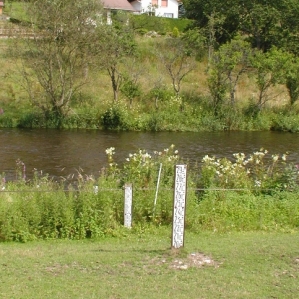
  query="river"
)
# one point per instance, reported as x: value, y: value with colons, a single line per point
x: 63, y: 152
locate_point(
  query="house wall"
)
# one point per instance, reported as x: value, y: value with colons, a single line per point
x: 1, y: 7
x: 109, y: 20
x: 170, y: 11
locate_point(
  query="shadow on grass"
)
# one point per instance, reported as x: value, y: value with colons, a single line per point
x: 153, y: 251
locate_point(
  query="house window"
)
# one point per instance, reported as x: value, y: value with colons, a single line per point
x: 109, y: 19
x: 168, y: 15
x: 164, y: 3
x: 155, y: 2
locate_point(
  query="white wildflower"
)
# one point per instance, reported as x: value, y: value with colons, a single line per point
x: 110, y: 151
x: 95, y: 189
x: 257, y: 183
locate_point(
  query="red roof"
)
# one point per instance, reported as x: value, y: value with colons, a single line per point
x: 118, y: 4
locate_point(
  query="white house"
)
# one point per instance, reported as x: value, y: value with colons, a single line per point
x: 161, y: 8
x: 1, y: 7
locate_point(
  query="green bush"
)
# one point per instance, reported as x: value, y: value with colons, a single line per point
x: 113, y: 118
x: 158, y: 24
x: 141, y: 31
x: 181, y: 24
x: 289, y: 122
x: 229, y: 211
x: 7, y: 121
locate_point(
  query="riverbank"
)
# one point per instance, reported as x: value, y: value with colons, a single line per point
x: 156, y: 106
x: 258, y: 192
x: 193, y: 118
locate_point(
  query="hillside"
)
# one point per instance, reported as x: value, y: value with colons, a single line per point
x: 94, y: 107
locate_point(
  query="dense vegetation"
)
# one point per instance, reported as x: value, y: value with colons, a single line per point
x: 208, y: 73
x: 258, y: 192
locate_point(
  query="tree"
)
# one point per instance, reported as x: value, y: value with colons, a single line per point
x: 178, y: 55
x: 55, y: 59
x: 292, y: 79
x: 130, y: 87
x: 229, y: 63
x: 213, y: 24
x: 266, y: 23
x: 271, y: 68
x: 261, y: 23
x: 289, y: 25
x: 113, y: 47
x: 219, y: 18
x: 177, y: 62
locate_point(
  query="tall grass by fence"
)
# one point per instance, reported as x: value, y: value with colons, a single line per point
x: 77, y: 214
x: 246, y: 194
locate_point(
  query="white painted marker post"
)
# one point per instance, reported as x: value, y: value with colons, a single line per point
x: 179, y: 206
x: 128, y: 205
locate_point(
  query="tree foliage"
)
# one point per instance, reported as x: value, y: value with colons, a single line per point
x: 114, y: 45
x: 266, y: 23
x: 228, y: 64
x: 271, y: 69
x: 56, y: 58
x: 292, y: 79
x: 178, y: 57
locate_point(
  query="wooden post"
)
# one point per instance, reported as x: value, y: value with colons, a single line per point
x: 179, y: 206
x: 128, y: 205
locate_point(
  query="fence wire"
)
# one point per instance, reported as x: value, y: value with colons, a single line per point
x: 136, y: 189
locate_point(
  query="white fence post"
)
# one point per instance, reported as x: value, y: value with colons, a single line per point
x: 179, y: 206
x: 157, y: 189
x: 128, y: 205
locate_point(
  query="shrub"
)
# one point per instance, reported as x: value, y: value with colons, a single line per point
x: 175, y: 32
x: 259, y: 172
x: 228, y: 211
x: 113, y: 118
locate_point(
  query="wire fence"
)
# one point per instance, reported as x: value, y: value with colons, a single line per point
x: 138, y: 189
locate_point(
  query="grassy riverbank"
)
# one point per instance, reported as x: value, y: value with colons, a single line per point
x: 140, y: 264
x: 254, y: 193
x: 155, y: 108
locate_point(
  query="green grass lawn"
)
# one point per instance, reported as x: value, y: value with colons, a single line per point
x: 141, y: 265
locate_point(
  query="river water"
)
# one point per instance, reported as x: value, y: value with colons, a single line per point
x: 63, y: 152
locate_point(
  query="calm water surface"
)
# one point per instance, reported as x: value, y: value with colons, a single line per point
x: 60, y: 153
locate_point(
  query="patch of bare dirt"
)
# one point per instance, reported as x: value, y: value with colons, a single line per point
x: 195, y: 260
